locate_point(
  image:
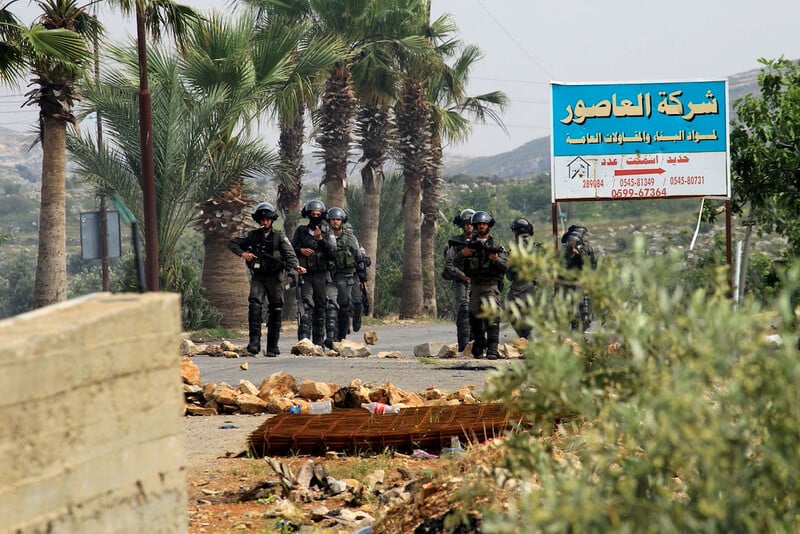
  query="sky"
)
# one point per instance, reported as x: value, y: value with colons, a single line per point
x: 529, y: 43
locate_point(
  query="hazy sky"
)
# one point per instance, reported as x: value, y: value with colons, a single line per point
x: 528, y: 43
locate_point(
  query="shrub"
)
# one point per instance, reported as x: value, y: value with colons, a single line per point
x: 678, y: 416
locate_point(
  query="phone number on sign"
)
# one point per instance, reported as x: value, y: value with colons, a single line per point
x: 686, y: 180
x: 642, y: 192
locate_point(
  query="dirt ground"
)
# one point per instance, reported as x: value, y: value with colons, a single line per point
x: 230, y: 492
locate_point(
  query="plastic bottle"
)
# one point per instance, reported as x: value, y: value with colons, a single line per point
x: 380, y: 408
x: 313, y: 408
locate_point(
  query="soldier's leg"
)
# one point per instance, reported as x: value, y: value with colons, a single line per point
x: 304, y: 326
x: 492, y: 297
x: 254, y: 316
x: 274, y: 315
x: 320, y: 284
x: 463, y: 330
x: 347, y: 291
x: 356, y: 305
x: 331, y: 314
x: 477, y: 324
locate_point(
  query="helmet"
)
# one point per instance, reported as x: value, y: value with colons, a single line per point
x: 482, y: 217
x: 572, y: 239
x: 337, y: 213
x: 312, y: 205
x: 578, y: 229
x: 522, y: 226
x: 265, y: 209
x: 463, y: 218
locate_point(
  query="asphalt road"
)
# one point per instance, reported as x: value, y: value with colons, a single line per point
x: 408, y: 372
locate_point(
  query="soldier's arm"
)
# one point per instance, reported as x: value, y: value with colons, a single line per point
x: 240, y: 245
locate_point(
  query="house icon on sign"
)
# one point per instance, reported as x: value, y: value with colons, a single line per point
x: 578, y: 168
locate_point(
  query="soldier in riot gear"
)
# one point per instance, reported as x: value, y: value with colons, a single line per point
x: 586, y: 247
x: 460, y: 280
x: 574, y: 254
x: 484, y: 264
x: 316, y: 251
x: 267, y: 254
x: 521, y: 289
x: 345, y: 291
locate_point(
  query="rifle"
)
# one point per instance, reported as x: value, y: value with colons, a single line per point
x: 476, y: 245
x: 297, y: 282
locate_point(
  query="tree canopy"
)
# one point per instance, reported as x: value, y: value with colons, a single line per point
x: 764, y: 151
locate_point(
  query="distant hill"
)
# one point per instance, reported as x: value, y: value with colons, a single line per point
x: 534, y: 156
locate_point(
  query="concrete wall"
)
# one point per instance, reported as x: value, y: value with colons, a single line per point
x: 91, y: 431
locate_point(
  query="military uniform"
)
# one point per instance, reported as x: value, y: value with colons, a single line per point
x: 345, y: 293
x: 486, y: 277
x: 274, y: 254
x: 520, y: 289
x: 314, y: 290
x: 461, y: 290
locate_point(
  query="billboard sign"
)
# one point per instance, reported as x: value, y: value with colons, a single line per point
x: 640, y: 140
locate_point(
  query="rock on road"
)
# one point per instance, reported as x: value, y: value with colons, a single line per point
x: 407, y: 373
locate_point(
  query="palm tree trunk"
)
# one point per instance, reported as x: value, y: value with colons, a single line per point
x: 374, y: 129
x: 336, y: 126
x: 50, y: 284
x: 431, y: 183
x: 291, y: 169
x: 225, y: 281
x: 413, y: 117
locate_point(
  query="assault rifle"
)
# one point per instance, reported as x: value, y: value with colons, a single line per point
x: 476, y: 245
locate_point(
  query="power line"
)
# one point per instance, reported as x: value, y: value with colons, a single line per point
x: 522, y: 48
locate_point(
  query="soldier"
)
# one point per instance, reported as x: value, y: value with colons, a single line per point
x: 586, y: 247
x: 521, y: 289
x: 460, y: 280
x: 267, y: 253
x: 574, y: 254
x: 316, y: 251
x: 484, y: 265
x: 344, y: 291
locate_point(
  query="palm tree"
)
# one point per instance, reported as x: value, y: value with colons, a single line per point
x: 451, y: 107
x: 152, y: 16
x: 377, y: 77
x: 191, y: 163
x: 55, y: 51
x: 223, y: 57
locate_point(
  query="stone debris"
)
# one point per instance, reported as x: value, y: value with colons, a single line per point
x: 280, y: 392
x: 371, y: 337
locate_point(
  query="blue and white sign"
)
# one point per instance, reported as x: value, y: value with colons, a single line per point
x: 640, y: 140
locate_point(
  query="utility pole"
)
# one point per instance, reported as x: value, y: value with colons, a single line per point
x: 146, y: 144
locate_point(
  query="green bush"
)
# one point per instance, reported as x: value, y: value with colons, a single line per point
x: 678, y: 416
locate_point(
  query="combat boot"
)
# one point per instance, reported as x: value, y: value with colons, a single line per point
x: 344, y: 324
x: 477, y: 328
x: 254, y: 327
x: 318, y: 326
x: 331, y: 325
x: 358, y: 310
x: 462, y: 329
x: 273, y: 332
x: 304, y: 324
x: 492, y: 340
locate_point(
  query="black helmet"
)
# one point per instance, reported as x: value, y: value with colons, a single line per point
x: 465, y: 217
x: 337, y: 213
x: 571, y: 239
x: 482, y: 217
x: 264, y: 210
x: 522, y: 226
x: 578, y: 229
x: 312, y: 205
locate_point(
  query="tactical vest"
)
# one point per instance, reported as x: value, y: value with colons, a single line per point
x: 345, y: 260
x: 480, y: 268
x: 317, y: 262
x: 268, y: 254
